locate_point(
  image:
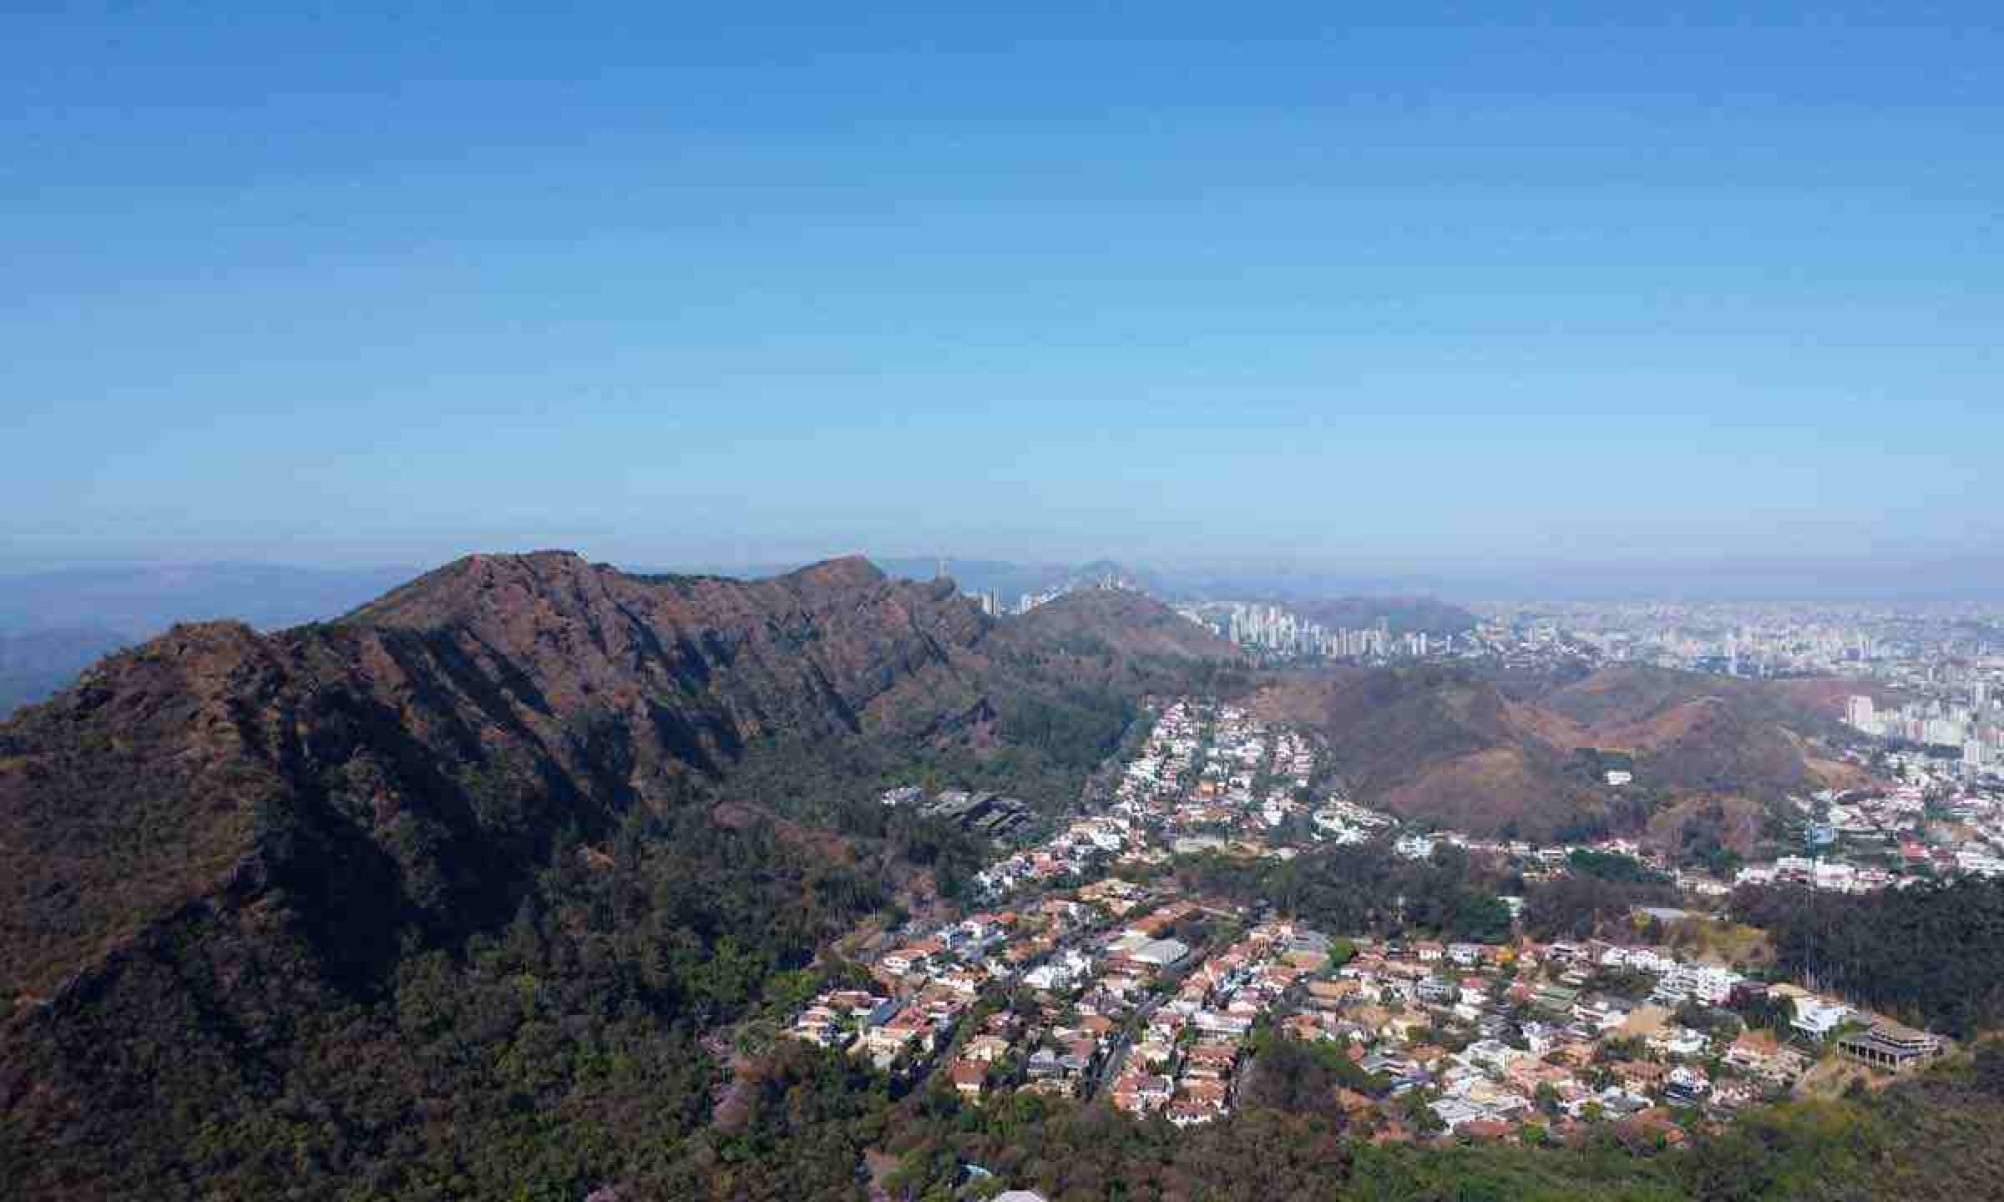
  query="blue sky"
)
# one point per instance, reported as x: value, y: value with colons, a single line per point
x: 1189, y: 284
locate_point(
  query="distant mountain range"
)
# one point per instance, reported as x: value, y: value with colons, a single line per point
x: 53, y: 624
x: 138, y: 601
x: 1332, y: 602
x: 1010, y: 579
x: 1007, y: 579
x: 35, y: 663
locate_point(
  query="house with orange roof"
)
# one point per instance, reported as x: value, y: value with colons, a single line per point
x: 969, y: 1077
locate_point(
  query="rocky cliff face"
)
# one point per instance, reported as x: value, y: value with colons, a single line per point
x: 431, y: 742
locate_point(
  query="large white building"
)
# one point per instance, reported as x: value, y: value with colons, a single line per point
x: 1858, y: 713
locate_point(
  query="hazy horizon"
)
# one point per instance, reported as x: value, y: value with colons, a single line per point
x: 1473, y: 582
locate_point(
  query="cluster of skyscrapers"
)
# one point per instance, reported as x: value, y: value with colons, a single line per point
x: 1977, y: 726
x: 1280, y: 631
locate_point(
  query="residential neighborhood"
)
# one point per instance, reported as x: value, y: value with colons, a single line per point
x: 1093, y: 974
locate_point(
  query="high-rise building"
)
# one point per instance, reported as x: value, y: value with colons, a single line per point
x: 1858, y: 712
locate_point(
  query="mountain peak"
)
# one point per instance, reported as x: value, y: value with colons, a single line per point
x: 843, y: 571
x: 471, y: 584
x: 1123, y: 621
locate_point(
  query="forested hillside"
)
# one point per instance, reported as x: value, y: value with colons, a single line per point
x: 442, y: 897
x: 1933, y: 952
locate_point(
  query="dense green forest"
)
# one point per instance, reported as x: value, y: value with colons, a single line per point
x: 1364, y: 889
x: 1613, y: 866
x: 1575, y: 905
x: 1931, y: 952
x: 560, y: 1051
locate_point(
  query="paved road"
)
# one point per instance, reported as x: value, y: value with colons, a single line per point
x: 1117, y: 1051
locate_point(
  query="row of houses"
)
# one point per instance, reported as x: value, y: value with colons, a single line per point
x: 1186, y: 1062
x: 1532, y: 1032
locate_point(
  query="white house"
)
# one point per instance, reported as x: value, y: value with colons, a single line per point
x: 1817, y: 1018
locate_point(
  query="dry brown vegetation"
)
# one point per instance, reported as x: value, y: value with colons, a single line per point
x: 1451, y: 747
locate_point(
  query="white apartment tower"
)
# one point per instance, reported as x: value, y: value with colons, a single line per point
x: 1858, y: 712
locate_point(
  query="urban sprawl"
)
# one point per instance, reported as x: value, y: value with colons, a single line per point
x: 1089, y: 972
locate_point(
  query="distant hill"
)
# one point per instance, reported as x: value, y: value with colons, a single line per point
x: 1693, y: 731
x: 36, y: 663
x: 1449, y: 746
x: 1639, y: 693
x: 1006, y: 579
x: 1438, y: 744
x: 1401, y: 615
x: 1334, y: 600
x: 139, y: 601
x: 1009, y: 581
x: 1119, y: 622
x: 54, y: 624
x: 1126, y: 576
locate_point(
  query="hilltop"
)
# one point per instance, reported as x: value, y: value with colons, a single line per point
x: 1454, y: 747
x: 1119, y: 622
x: 1401, y: 615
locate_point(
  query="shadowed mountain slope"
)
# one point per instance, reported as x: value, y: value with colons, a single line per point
x: 449, y: 730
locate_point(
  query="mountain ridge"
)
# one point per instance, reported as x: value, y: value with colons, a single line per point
x: 572, y: 688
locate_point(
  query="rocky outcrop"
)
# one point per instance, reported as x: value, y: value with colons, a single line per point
x: 432, y: 742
